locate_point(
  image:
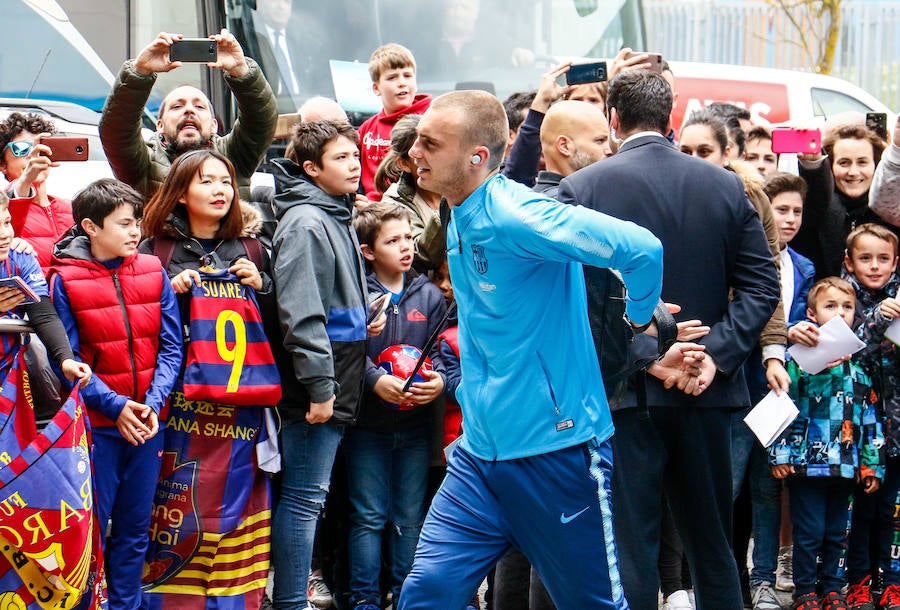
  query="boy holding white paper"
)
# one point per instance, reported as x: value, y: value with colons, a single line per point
x: 871, y: 263
x: 835, y: 439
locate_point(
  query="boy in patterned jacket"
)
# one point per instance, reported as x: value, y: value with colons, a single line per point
x: 835, y: 439
x: 871, y: 263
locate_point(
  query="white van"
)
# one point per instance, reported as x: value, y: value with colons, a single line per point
x: 771, y: 95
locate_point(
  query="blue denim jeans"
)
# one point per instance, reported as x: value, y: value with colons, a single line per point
x: 307, y: 455
x: 387, y: 475
x: 749, y: 457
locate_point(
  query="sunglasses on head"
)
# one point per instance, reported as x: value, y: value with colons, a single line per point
x: 19, y: 148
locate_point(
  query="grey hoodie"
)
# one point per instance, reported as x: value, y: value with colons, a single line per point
x: 320, y: 290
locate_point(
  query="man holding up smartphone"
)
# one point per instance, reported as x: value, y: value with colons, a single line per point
x: 186, y: 117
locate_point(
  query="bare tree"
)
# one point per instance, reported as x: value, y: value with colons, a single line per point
x: 817, y: 26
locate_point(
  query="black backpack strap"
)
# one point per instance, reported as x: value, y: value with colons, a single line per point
x: 163, y: 248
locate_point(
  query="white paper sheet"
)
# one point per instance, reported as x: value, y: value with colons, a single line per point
x: 836, y: 340
x: 893, y: 332
x: 771, y: 416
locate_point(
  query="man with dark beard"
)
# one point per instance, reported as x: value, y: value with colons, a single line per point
x: 186, y: 118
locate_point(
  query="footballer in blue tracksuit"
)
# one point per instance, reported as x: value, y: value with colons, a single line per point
x: 534, y: 464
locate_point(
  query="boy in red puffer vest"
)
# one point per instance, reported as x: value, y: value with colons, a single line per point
x: 120, y: 314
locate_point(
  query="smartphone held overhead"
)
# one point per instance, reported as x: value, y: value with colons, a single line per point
x: 654, y: 59
x: 797, y: 141
x: 877, y: 123
x: 198, y: 50
x: 593, y: 72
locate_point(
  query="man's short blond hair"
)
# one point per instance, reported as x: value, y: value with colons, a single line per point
x: 391, y: 56
x: 482, y: 118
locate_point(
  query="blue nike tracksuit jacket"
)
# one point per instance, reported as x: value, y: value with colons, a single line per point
x: 530, y: 379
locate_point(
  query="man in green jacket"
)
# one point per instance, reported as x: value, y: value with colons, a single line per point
x: 186, y: 118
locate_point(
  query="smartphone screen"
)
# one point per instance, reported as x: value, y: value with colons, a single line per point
x: 594, y: 72
x: 202, y: 50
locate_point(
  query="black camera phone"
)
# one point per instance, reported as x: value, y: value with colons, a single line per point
x: 877, y: 122
x: 594, y: 72
x: 202, y: 50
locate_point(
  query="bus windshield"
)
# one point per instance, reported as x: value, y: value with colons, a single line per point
x: 311, y: 48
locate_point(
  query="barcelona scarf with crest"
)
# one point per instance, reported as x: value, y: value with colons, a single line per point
x: 49, y: 538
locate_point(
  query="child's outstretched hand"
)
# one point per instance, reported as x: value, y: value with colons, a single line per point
x: 137, y: 423
x: 425, y: 391
x: 870, y: 484
x: 76, y: 371
x: 777, y: 376
x: 804, y: 333
x: 890, y: 308
x: 782, y: 471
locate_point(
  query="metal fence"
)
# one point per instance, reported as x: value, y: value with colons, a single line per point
x: 755, y: 33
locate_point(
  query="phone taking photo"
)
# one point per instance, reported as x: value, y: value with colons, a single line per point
x: 64, y: 148
x: 593, y: 72
x: 378, y: 307
x: 654, y: 59
x: 877, y: 123
x: 797, y: 141
x: 195, y: 50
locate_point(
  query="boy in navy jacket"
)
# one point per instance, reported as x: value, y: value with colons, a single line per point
x: 388, y: 451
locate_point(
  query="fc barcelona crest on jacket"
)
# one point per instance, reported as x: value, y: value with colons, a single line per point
x: 480, y: 260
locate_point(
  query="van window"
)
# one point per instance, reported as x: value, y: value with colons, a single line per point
x: 827, y: 102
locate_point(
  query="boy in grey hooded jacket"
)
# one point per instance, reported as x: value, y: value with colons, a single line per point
x: 320, y: 290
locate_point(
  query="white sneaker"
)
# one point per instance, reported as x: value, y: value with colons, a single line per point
x: 318, y: 593
x: 680, y: 600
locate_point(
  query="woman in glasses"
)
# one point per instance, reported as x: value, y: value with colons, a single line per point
x: 39, y: 218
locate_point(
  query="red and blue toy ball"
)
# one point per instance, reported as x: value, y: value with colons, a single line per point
x: 399, y: 361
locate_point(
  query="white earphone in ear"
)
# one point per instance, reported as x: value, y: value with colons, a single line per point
x: 476, y: 159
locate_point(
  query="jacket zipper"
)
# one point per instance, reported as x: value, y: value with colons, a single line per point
x: 121, y: 297
x: 549, y: 382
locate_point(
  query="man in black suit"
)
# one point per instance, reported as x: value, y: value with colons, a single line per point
x: 717, y: 266
x: 293, y: 52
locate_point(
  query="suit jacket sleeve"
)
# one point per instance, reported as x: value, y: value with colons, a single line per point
x: 755, y: 294
x: 525, y: 155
